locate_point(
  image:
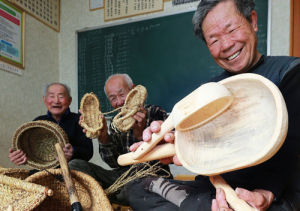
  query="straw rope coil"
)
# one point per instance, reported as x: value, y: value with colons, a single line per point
x: 123, y: 121
x: 15, y: 173
x: 90, y: 193
x: 91, y: 112
x: 37, y: 140
x: 20, y: 194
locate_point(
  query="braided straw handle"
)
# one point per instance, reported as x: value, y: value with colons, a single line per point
x: 134, y: 100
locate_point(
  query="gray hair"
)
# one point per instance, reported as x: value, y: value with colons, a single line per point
x: 46, y: 87
x: 244, y: 7
x: 126, y: 77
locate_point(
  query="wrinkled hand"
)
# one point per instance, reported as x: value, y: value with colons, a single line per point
x: 68, y: 150
x: 169, y: 137
x: 258, y: 199
x: 103, y: 138
x: 17, y: 157
x: 220, y: 203
x: 139, y: 124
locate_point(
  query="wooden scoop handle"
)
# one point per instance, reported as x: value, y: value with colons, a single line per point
x: 67, y: 177
x: 167, y: 126
x: 10, y: 208
x: 236, y: 203
x: 158, y: 152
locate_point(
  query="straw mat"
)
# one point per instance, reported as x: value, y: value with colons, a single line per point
x: 123, y: 121
x: 90, y: 109
x: 20, y: 194
x: 37, y: 140
x: 90, y: 193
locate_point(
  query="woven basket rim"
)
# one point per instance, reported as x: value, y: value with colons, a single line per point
x: 95, y: 188
x: 52, y: 127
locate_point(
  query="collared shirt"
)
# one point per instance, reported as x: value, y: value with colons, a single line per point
x: 119, y: 143
x: 58, y: 122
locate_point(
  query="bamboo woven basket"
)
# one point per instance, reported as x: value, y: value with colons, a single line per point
x: 37, y: 140
x: 23, y: 196
x: 15, y: 173
x: 90, y: 193
x: 123, y: 121
x: 91, y: 112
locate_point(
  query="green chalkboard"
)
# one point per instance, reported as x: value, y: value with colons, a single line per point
x: 161, y: 54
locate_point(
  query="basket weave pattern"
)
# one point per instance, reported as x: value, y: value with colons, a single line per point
x: 90, y: 193
x: 22, y: 195
x: 123, y: 121
x: 92, y: 121
x: 15, y: 173
x: 37, y: 140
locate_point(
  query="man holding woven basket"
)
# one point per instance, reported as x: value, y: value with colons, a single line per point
x: 113, y: 143
x: 228, y: 28
x: 57, y: 99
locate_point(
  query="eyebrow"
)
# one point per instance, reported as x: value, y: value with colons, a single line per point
x: 52, y: 93
x: 226, y: 27
x: 120, y: 90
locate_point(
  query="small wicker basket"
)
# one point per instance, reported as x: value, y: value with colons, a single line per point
x: 90, y: 109
x: 90, y: 193
x: 123, y: 121
x: 37, y: 140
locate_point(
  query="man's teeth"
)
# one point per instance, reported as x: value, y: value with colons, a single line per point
x: 234, y: 55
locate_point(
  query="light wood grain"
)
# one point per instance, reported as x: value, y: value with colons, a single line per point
x: 66, y: 174
x: 196, y: 109
x: 236, y: 203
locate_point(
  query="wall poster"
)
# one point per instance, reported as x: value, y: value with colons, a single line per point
x: 116, y: 9
x: 46, y: 11
x: 12, y: 27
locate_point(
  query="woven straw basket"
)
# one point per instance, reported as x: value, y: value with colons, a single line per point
x: 123, y: 121
x: 90, y: 193
x: 90, y: 109
x: 37, y: 140
x: 23, y: 196
x: 15, y: 173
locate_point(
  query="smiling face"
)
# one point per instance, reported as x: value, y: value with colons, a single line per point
x: 57, y: 100
x: 117, y: 90
x: 230, y: 38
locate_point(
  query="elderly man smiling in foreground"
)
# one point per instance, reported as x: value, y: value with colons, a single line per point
x: 57, y: 99
x: 228, y: 28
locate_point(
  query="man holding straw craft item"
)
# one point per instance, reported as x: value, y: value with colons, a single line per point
x: 57, y: 99
x: 116, y: 143
x: 228, y: 28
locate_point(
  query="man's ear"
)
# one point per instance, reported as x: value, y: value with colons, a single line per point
x: 132, y: 86
x: 44, y: 100
x: 70, y: 100
x: 253, y: 19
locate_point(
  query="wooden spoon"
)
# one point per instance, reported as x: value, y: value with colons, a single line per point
x: 250, y: 131
x: 199, y: 107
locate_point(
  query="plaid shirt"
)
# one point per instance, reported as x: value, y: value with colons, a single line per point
x: 119, y: 143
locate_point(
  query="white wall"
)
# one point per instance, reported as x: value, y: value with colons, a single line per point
x: 21, y: 96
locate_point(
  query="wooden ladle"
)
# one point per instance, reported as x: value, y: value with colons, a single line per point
x: 250, y: 131
x: 199, y: 107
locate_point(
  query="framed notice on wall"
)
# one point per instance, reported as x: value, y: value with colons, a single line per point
x: 116, y: 9
x: 12, y: 27
x: 46, y: 11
